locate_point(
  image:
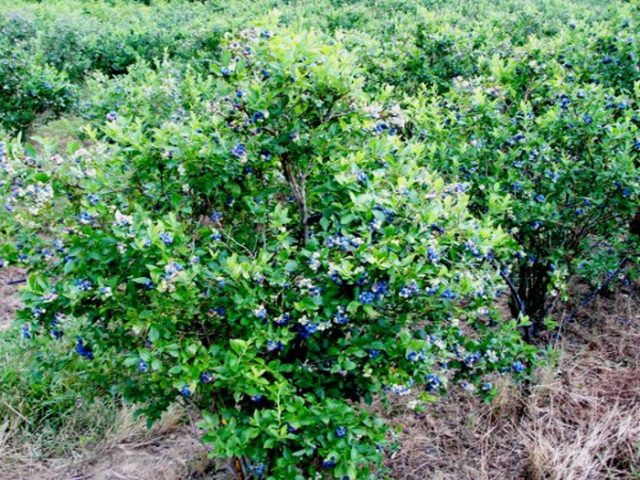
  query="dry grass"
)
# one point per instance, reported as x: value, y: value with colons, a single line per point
x: 126, y: 450
x: 580, y: 421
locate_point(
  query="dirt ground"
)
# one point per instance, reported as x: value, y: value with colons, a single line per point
x: 9, y: 301
x: 580, y: 420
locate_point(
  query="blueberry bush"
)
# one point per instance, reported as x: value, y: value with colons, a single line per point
x: 29, y: 87
x: 276, y: 255
x: 554, y: 157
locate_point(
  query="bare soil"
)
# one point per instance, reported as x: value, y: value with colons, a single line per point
x: 579, y: 421
x: 9, y: 301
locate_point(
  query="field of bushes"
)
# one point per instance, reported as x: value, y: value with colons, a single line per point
x: 295, y: 239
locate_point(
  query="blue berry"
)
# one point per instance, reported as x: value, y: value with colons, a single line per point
x: 282, y: 320
x: 361, y: 176
x: 341, y: 318
x: 328, y: 463
x: 380, y: 288
x: 166, y: 238
x: 261, y: 313
x: 362, y: 279
x: 25, y: 332
x: 409, y: 290
x: 518, y: 366
x: 471, y: 359
x: 273, y: 346
x: 433, y: 382
x: 83, y: 350
x: 431, y: 290
x: 341, y: 432
x: 380, y: 127
x: 259, y: 469
x: 367, y: 297
x: 415, y: 356
x: 335, y: 277
x: 218, y: 312
x: 85, y: 218
x: 259, y: 116
x: 438, y: 229
x: 447, y: 294
x: 143, y: 366
x: 307, y: 330
x: 265, y: 156
x: 239, y: 150
x: 536, y: 224
x: 83, y: 285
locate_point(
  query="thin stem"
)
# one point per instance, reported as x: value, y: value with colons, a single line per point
x: 512, y: 288
x: 593, y: 294
x: 298, y: 193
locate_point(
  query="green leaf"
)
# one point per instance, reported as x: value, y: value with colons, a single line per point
x: 154, y: 335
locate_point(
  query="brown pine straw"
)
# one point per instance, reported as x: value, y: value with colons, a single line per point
x: 580, y: 421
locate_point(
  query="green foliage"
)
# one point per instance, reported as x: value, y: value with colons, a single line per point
x: 552, y: 156
x: 275, y: 254
x: 47, y: 49
x: 43, y: 386
x: 29, y: 87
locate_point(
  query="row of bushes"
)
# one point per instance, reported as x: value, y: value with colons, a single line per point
x: 49, y: 48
